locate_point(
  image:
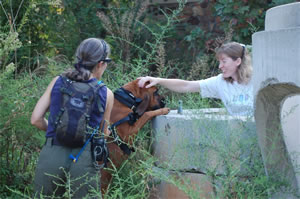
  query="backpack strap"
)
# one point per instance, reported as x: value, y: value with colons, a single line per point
x: 66, y: 81
x: 96, y: 85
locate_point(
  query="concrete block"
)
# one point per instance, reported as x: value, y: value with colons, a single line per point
x: 276, y: 58
x: 284, y: 16
x: 204, y: 140
x: 276, y: 62
x: 183, y: 186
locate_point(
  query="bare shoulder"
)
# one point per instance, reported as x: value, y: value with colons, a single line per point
x: 110, y: 97
x: 53, y: 82
x: 50, y: 85
x: 110, y: 94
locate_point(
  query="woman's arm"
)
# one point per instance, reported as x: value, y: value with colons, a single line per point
x: 109, y: 106
x: 177, y: 85
x: 38, y: 115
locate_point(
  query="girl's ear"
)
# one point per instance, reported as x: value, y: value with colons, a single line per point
x: 238, y: 61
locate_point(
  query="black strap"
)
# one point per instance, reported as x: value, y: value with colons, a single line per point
x: 123, y: 146
x: 96, y: 86
x: 99, y: 149
x: 127, y: 98
x: 131, y: 119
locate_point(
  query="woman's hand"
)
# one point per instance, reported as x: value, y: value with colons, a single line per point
x: 143, y: 80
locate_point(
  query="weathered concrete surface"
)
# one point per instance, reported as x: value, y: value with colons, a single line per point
x: 204, y: 140
x: 290, y: 121
x: 276, y: 62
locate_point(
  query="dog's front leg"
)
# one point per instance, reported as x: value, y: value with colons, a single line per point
x: 146, y: 117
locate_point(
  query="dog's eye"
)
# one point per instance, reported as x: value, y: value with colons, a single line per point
x: 155, y: 93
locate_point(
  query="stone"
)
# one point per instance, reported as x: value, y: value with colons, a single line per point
x: 204, y: 140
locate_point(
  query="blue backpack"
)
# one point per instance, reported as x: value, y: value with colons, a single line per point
x: 72, y: 122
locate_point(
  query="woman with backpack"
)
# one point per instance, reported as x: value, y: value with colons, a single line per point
x: 80, y: 106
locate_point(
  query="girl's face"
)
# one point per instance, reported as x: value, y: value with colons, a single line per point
x: 228, y: 66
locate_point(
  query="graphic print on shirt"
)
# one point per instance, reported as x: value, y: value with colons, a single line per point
x: 241, y: 103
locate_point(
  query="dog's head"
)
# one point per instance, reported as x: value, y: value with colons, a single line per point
x: 151, y: 99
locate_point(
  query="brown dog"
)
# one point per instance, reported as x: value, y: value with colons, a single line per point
x: 149, y: 104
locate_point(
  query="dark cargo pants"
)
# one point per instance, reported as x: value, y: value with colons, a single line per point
x: 57, y: 175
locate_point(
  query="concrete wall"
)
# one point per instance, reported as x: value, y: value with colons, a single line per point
x: 200, y: 142
x: 276, y: 61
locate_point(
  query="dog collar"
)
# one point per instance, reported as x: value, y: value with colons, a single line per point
x: 127, y: 98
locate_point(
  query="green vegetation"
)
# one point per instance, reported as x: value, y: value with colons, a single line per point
x: 37, y: 42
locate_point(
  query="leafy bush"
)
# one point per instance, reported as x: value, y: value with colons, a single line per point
x: 48, y: 28
x: 9, y: 42
x: 244, y: 17
x: 20, y: 141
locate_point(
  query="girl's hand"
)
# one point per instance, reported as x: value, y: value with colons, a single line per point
x: 143, y: 80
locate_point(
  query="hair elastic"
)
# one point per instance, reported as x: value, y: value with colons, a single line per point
x: 243, y: 51
x: 79, y: 65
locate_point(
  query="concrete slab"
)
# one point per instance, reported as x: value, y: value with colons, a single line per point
x: 276, y: 57
x: 204, y: 140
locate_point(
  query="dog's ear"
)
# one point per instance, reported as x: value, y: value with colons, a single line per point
x: 143, y: 105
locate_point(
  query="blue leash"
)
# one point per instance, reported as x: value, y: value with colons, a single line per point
x: 75, y: 159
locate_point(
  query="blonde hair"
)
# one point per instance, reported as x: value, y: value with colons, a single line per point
x: 235, y: 50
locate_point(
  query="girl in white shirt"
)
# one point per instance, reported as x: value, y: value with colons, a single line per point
x: 233, y: 86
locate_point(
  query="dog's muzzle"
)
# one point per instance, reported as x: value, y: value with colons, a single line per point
x: 162, y: 103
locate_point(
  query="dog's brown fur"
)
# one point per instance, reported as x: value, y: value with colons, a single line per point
x: 126, y: 132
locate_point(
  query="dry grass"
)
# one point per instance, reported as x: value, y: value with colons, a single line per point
x: 120, y: 24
